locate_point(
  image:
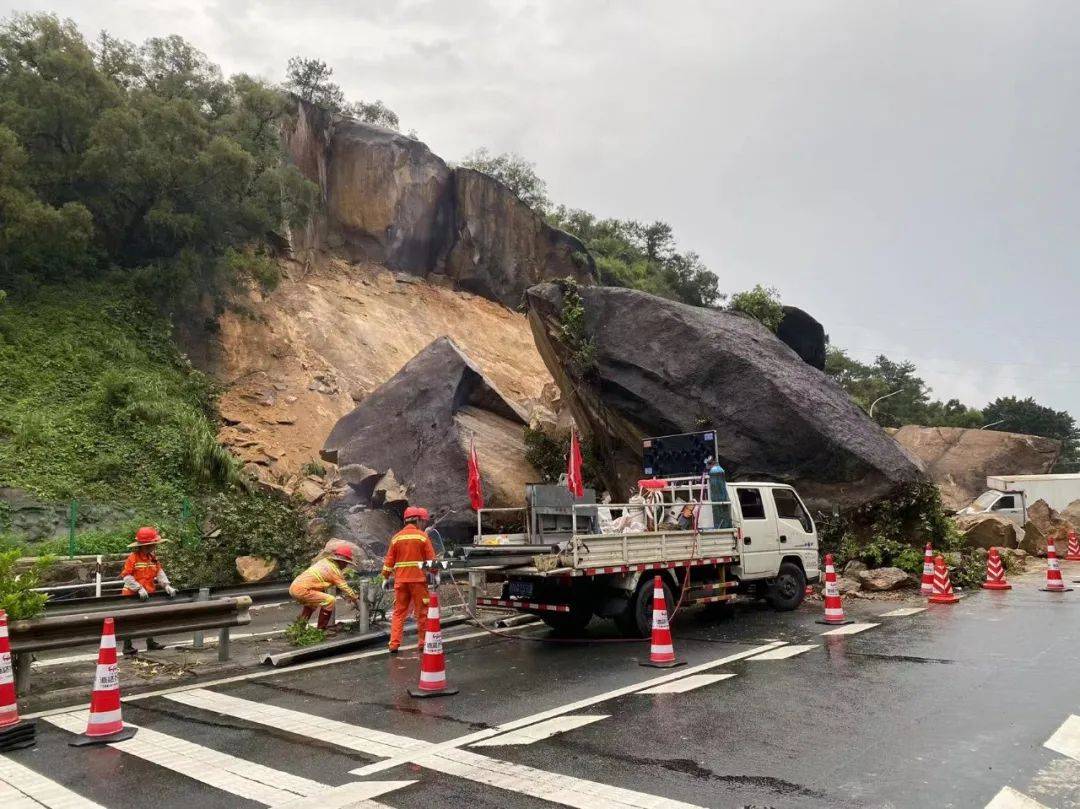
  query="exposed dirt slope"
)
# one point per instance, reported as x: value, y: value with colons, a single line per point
x: 302, y: 356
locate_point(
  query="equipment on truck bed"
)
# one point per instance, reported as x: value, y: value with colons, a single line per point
x: 668, y: 456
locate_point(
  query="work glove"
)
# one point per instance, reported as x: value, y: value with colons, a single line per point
x: 170, y: 591
x: 143, y: 595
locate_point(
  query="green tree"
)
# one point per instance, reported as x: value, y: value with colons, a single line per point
x: 761, y: 303
x: 311, y: 80
x: 1015, y: 415
x: 515, y: 172
x: 374, y: 112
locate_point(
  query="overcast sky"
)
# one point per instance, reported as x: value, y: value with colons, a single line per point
x: 908, y: 172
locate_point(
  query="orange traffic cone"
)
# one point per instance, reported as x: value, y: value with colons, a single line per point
x: 995, y: 573
x: 1054, y: 584
x: 14, y: 733
x: 943, y: 592
x: 433, y: 662
x: 105, y: 724
x: 927, y: 588
x: 661, y: 649
x: 1073, y: 553
x: 834, y: 606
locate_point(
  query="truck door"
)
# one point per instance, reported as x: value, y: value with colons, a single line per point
x: 793, y: 522
x: 1010, y: 506
x: 760, y: 549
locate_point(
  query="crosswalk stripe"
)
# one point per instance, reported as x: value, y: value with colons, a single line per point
x: 356, y: 795
x: 902, y: 611
x: 1009, y: 798
x: 1066, y: 739
x: 783, y: 653
x: 850, y: 629
x: 548, y: 786
x: 19, y: 783
x: 541, y: 730
x: 237, y: 776
x: 687, y: 684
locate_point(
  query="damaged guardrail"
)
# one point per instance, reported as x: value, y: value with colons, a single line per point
x: 84, y: 628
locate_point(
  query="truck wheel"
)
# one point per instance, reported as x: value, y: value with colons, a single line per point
x: 568, y: 623
x: 636, y: 621
x: 787, y: 590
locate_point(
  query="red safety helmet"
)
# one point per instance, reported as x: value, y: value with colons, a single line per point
x: 145, y: 537
x: 343, y: 553
x: 416, y: 513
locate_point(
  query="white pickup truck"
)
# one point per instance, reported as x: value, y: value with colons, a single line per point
x: 1010, y: 496
x: 770, y: 551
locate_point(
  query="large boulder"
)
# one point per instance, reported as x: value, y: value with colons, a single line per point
x: 632, y: 365
x: 409, y: 440
x: 502, y: 247
x: 989, y: 531
x: 881, y: 579
x: 804, y: 335
x: 1071, y: 514
x: 959, y: 460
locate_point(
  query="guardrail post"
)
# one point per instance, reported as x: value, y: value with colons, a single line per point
x: 97, y: 579
x: 476, y: 583
x: 73, y: 516
x: 21, y: 665
x: 197, y: 639
x: 223, y: 644
x: 365, y: 612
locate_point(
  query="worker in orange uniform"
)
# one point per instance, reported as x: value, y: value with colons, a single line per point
x: 143, y: 574
x: 409, y: 549
x: 309, y: 588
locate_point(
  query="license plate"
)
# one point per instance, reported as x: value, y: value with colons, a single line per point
x: 521, y: 589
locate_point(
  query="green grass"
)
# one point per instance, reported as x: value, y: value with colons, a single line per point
x: 98, y: 404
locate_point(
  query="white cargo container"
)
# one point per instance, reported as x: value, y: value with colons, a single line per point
x: 1011, y: 495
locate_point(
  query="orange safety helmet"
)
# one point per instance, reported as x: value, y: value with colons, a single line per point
x: 343, y: 553
x: 145, y: 537
x: 416, y: 513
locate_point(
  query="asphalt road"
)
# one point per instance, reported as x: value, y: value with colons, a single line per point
x: 950, y: 706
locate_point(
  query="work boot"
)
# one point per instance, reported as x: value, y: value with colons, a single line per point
x: 324, y: 618
x: 393, y: 650
x: 153, y: 646
x: 129, y: 649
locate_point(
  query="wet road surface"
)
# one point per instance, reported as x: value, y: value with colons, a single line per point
x: 951, y: 706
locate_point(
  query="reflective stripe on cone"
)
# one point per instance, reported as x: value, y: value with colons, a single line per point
x: 1054, y: 584
x: 943, y: 591
x: 927, y: 587
x: 9, y: 709
x: 834, y: 605
x: 661, y: 646
x: 105, y: 723
x: 995, y: 572
x: 433, y: 661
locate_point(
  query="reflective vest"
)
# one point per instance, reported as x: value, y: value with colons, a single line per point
x: 321, y: 576
x: 143, y: 566
x: 409, y: 549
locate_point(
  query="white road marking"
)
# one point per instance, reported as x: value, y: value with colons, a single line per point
x: 237, y: 776
x: 687, y: 684
x: 270, y: 672
x: 86, y: 658
x: 783, y: 653
x: 356, y: 795
x: 542, y: 730
x: 850, y: 629
x: 902, y: 611
x: 579, y: 705
x: 1066, y: 739
x: 549, y: 786
x: 1009, y: 798
x: 22, y: 788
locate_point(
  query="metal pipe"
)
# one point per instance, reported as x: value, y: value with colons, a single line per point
x: 365, y: 609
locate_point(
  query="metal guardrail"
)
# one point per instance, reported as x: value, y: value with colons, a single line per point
x: 261, y: 593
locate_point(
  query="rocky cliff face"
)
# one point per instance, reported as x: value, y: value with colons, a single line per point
x: 389, y: 199
x: 959, y: 460
x: 656, y: 367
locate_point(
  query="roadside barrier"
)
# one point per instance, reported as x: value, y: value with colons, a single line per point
x: 834, y: 605
x: 433, y: 662
x: 1054, y: 584
x: 661, y: 649
x: 1073, y: 553
x: 995, y: 573
x: 105, y: 724
x: 927, y: 588
x: 943, y: 591
x: 14, y: 733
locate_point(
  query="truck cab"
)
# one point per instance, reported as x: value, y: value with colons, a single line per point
x: 1009, y: 504
x: 774, y: 526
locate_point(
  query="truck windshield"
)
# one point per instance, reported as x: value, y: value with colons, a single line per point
x: 985, y: 500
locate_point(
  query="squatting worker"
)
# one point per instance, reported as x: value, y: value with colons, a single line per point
x: 409, y: 549
x: 143, y: 574
x: 309, y: 588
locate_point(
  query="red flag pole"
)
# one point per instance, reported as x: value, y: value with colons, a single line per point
x: 476, y: 487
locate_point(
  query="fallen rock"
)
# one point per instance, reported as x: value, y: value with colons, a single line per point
x: 854, y: 567
x: 884, y: 578
x: 1014, y: 558
x: 847, y: 586
x: 255, y: 568
x: 1049, y: 523
x: 804, y: 335
x: 989, y: 530
x: 959, y: 460
x: 502, y: 246
x: 1071, y: 514
x: 415, y: 430
x: 639, y: 365
x: 311, y: 492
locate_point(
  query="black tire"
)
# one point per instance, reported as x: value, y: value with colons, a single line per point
x: 787, y: 591
x: 636, y: 621
x: 568, y: 623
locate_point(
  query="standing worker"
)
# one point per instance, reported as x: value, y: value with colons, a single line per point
x: 409, y: 549
x: 309, y: 588
x: 143, y: 574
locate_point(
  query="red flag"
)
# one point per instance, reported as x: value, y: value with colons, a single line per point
x: 476, y: 488
x: 573, y: 469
